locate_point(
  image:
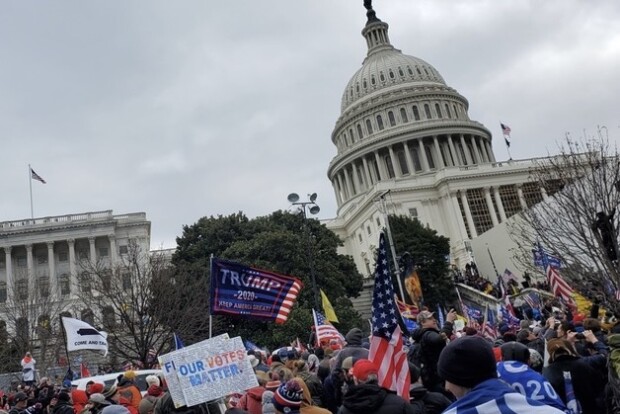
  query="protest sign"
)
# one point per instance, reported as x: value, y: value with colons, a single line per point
x: 207, y: 370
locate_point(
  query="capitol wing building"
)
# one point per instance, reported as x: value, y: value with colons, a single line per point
x: 403, y: 133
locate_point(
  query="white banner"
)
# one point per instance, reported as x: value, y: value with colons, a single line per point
x: 81, y: 335
x: 208, y: 370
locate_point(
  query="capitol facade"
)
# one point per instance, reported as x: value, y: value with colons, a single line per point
x: 405, y: 136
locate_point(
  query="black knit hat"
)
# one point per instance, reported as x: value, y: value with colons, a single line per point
x: 467, y: 361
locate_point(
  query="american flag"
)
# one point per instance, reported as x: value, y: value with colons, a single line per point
x: 510, y: 319
x: 505, y: 130
x: 325, y: 331
x: 532, y: 300
x: 489, y: 330
x: 559, y: 286
x: 506, y: 298
x: 386, y: 345
x: 36, y: 176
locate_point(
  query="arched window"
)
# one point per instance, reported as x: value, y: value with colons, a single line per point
x: 351, y: 137
x: 403, y: 115
x: 429, y: 157
x: 373, y: 80
x: 416, y: 113
x: 448, y: 111
x: 126, y: 279
x: 44, y: 286
x: 415, y: 157
x: 22, y: 289
x: 379, y: 122
x: 391, y: 73
x: 3, y: 292
x: 456, y: 113
x: 65, y: 284
x: 22, y: 327
x: 400, y: 72
x: 368, y: 126
x: 108, y: 317
x: 402, y: 161
x: 360, y: 135
x: 427, y: 111
x: 381, y: 76
x: 438, y: 110
x: 44, y: 326
x: 391, y: 118
x: 409, y: 70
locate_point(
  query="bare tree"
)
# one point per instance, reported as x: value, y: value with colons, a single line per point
x: 578, y: 223
x: 136, y: 303
x: 31, y: 322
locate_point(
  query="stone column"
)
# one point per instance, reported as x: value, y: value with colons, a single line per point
x: 9, y: 272
x: 466, y: 151
x: 468, y: 216
x: 347, y: 180
x: 521, y: 197
x: 382, y: 173
x: 112, y: 240
x: 343, y: 192
x: 367, y: 172
x: 487, y: 196
x: 93, y: 252
x: 51, y: 266
x: 73, y: 284
x: 489, y: 151
x: 475, y: 143
x: 454, y: 207
x: 30, y: 263
x: 439, y: 163
x: 425, y: 166
x: 357, y: 178
x: 455, y: 155
x: 395, y: 163
x: 409, y: 159
x: 500, y: 204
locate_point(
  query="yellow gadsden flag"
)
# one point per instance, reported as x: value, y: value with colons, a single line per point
x: 330, y: 314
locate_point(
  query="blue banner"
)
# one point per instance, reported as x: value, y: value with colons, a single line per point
x: 539, y: 260
x: 241, y: 290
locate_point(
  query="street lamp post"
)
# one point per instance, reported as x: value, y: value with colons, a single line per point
x: 313, y: 209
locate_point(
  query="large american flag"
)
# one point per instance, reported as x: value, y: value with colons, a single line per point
x: 386, y: 345
x: 36, y: 176
x: 489, y: 330
x: 325, y: 331
x: 559, y: 286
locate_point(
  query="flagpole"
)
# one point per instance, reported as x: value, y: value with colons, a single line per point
x: 508, y: 149
x: 210, y: 314
x: 392, y: 248
x: 30, y: 182
x: 64, y: 334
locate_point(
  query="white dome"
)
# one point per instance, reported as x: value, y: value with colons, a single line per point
x: 387, y: 68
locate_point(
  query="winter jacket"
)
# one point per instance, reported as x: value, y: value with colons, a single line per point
x: 432, y: 402
x: 332, y: 390
x: 314, y: 385
x: 353, y: 348
x: 252, y: 400
x: 373, y: 399
x: 432, y: 342
x: 495, y: 396
x: 131, y: 393
x: 307, y: 404
x: 80, y: 399
x: 587, y: 382
x: 63, y: 407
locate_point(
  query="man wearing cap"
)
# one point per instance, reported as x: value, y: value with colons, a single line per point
x: 468, y: 366
x: 21, y: 402
x: 366, y: 396
x: 353, y: 348
x: 96, y: 403
x: 431, y: 342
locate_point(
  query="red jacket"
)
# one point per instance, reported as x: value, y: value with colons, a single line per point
x: 252, y: 400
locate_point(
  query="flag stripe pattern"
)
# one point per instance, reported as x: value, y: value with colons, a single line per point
x: 325, y: 331
x: 559, y: 286
x: 386, y: 344
x: 505, y: 130
x: 36, y: 176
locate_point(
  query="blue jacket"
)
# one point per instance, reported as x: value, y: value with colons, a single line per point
x: 494, y: 396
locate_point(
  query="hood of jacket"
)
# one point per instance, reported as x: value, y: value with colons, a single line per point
x: 417, y: 334
x: 364, y: 398
x: 354, y: 337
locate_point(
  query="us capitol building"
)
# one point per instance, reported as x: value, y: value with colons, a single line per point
x: 403, y: 133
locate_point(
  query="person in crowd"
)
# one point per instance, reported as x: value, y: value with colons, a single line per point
x: 515, y: 370
x: 311, y: 382
x: 79, y: 399
x: 288, y: 397
x: 153, y: 393
x: 612, y: 391
x: 333, y: 386
x: 468, y: 366
x: 267, y: 403
x: 28, y: 369
x: 20, y: 401
x: 115, y: 397
x: 96, y: 403
x: 353, y: 348
x: 62, y: 404
x: 115, y: 409
x: 429, y: 344
x: 128, y: 389
x: 426, y: 402
x: 584, y: 375
x: 530, y: 340
x: 251, y: 401
x: 324, y: 368
x: 367, y: 396
x: 308, y: 405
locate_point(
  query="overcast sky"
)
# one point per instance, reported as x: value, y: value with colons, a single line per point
x: 183, y: 109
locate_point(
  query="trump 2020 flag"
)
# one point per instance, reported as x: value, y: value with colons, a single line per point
x: 241, y: 290
x: 81, y: 335
x: 386, y: 345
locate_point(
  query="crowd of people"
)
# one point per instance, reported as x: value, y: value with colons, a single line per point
x: 566, y: 364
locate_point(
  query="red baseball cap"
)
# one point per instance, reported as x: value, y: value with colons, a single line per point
x: 363, y: 368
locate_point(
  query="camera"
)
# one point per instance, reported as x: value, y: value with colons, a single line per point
x: 580, y: 336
